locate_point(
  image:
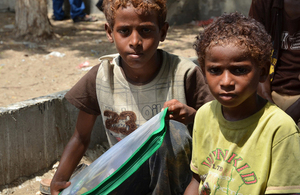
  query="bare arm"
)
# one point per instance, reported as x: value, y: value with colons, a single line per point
x: 264, y: 90
x: 180, y: 112
x: 193, y: 187
x: 73, y: 152
x: 294, y: 110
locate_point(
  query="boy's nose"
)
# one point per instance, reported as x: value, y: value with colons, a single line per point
x: 227, y: 79
x: 135, y: 39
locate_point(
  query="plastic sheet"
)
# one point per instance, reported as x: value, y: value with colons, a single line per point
x: 120, y: 161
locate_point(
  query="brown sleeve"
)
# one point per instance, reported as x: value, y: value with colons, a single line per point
x: 83, y: 94
x: 260, y: 10
x: 256, y: 11
x: 196, y: 89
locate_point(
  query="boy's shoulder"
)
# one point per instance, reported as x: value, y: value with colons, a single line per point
x: 178, y: 65
x: 209, y: 108
x: 109, y: 57
x: 270, y: 115
x: 277, y: 114
x: 277, y: 124
x: 177, y: 59
x: 279, y: 118
x: 175, y: 62
x: 211, y: 105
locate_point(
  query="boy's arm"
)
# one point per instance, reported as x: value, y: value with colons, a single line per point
x: 264, y: 90
x: 294, y: 111
x: 73, y: 152
x: 197, y: 94
x: 285, y: 154
x: 193, y: 187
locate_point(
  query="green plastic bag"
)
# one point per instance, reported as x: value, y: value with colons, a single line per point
x: 118, y: 163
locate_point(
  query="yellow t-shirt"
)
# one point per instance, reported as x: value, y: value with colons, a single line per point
x: 256, y: 155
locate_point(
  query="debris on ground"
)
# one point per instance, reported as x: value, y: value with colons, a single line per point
x: 32, y: 185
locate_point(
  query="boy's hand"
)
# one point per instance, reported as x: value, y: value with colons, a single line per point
x: 57, y: 186
x: 180, y: 112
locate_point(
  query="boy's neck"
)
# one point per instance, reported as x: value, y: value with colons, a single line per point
x: 144, y: 75
x: 243, y: 111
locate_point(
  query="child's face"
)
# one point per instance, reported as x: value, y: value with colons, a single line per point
x: 136, y: 36
x: 232, y: 78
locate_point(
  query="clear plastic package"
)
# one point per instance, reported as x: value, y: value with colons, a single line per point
x: 120, y: 161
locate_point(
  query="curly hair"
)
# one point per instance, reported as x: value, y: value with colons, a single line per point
x: 237, y: 29
x: 111, y: 6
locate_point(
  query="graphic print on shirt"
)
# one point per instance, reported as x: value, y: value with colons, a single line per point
x: 227, y: 173
x: 291, y: 42
x: 123, y: 123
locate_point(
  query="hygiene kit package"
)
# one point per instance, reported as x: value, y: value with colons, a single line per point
x: 119, y: 162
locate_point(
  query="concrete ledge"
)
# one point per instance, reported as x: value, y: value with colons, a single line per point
x: 34, y: 133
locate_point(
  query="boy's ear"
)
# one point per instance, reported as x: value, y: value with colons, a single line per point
x: 163, y: 31
x: 109, y: 30
x: 264, y: 73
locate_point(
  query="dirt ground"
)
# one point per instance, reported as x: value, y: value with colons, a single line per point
x: 29, y: 70
x: 31, y: 185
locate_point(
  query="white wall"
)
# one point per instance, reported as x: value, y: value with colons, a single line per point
x: 179, y: 11
x: 7, y: 5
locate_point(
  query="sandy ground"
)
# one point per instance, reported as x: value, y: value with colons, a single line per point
x: 31, y: 185
x: 29, y: 70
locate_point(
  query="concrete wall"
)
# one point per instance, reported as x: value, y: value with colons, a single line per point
x: 179, y: 11
x: 34, y: 133
x: 7, y: 5
x: 185, y: 11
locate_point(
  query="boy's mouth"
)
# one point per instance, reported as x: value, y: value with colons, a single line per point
x: 135, y: 55
x: 227, y: 96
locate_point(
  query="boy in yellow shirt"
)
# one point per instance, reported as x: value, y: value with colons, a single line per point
x: 242, y: 144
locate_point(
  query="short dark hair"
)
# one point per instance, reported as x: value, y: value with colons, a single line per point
x: 110, y: 7
x: 235, y: 28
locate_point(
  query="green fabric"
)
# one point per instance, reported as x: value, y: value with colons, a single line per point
x: 134, y: 162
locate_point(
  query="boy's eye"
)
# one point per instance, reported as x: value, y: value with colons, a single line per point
x: 123, y: 31
x: 240, y: 70
x: 146, y: 30
x: 214, y: 70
